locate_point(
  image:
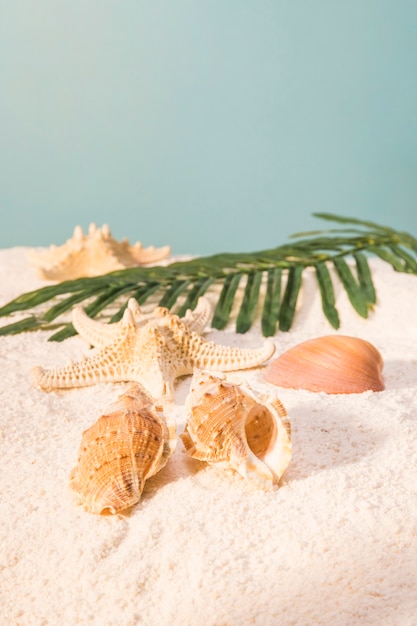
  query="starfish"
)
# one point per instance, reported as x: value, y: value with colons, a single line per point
x: 93, y: 254
x: 154, y: 355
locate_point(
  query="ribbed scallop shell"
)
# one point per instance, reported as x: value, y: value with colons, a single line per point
x: 128, y: 444
x: 333, y: 364
x: 229, y: 425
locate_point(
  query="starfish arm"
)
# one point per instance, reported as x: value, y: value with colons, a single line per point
x: 101, y: 334
x: 188, y: 350
x: 198, y: 319
x: 144, y: 256
x: 105, y: 367
x: 208, y: 355
x: 94, y: 332
x: 112, y: 363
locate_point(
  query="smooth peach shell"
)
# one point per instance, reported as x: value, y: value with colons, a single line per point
x: 333, y: 364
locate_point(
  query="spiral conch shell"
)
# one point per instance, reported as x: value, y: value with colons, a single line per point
x: 333, y: 364
x: 127, y: 445
x: 228, y: 425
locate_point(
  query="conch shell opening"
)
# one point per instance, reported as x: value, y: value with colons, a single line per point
x: 264, y: 436
x: 228, y: 425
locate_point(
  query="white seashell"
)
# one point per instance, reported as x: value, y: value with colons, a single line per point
x: 127, y: 445
x: 229, y: 425
x: 92, y: 255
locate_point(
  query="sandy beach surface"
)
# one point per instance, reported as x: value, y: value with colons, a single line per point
x: 334, y: 545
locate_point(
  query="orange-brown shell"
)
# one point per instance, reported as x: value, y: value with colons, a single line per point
x: 333, y: 364
x: 229, y: 425
x: 127, y: 445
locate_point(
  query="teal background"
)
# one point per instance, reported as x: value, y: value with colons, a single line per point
x: 210, y: 125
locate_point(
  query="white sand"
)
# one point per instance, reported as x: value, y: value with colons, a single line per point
x: 336, y: 544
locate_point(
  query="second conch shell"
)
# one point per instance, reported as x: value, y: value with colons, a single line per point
x: 92, y: 254
x: 229, y: 425
x: 333, y: 364
x: 127, y: 445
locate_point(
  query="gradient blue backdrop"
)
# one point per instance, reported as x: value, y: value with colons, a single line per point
x: 210, y: 125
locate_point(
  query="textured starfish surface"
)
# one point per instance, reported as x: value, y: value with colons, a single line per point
x: 100, y: 334
x: 154, y: 354
x: 92, y: 254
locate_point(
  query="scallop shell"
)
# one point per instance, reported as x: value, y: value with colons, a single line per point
x: 127, y: 445
x: 229, y: 425
x: 92, y: 254
x: 333, y: 363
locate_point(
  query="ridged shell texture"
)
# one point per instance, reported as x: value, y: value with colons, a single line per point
x: 332, y: 363
x: 229, y: 425
x: 128, y: 444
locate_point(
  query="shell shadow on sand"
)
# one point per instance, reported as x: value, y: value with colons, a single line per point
x: 322, y: 439
x: 333, y: 440
x: 400, y: 374
x: 179, y: 467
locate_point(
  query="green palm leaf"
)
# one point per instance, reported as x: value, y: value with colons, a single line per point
x: 289, y: 301
x: 410, y: 264
x: 199, y: 289
x: 390, y: 257
x: 327, y: 294
x: 28, y: 323
x: 173, y: 292
x: 353, y: 290
x: 64, y: 333
x: 224, y: 306
x: 365, y: 278
x: 181, y: 283
x: 249, y: 302
x: 270, y: 312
